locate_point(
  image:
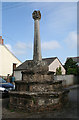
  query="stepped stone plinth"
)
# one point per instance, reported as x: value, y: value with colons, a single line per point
x: 37, y: 91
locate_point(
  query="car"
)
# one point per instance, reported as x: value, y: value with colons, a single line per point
x: 5, y: 87
x: 5, y: 84
x: 4, y: 93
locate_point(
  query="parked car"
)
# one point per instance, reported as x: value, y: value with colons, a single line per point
x: 5, y: 84
x: 5, y: 87
x: 3, y: 92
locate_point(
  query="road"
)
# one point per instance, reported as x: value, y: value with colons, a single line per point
x: 71, y: 111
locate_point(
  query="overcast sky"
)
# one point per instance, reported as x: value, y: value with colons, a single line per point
x: 58, y: 28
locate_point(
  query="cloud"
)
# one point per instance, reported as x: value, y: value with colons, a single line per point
x: 20, y: 45
x: 21, y: 48
x: 71, y: 40
x: 50, y: 45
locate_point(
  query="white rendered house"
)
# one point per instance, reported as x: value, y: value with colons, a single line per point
x: 53, y: 63
x: 7, y: 60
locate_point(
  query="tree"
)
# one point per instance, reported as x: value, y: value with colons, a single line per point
x: 71, y: 67
x: 58, y: 71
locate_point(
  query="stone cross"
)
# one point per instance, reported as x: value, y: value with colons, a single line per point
x: 37, y: 44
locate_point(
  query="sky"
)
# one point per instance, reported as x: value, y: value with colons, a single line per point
x: 58, y: 29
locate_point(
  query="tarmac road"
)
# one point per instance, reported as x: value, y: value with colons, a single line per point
x: 71, y: 111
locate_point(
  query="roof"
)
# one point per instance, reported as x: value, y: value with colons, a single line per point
x: 25, y: 64
x: 76, y: 59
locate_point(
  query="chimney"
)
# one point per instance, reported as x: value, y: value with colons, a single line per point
x: 1, y: 40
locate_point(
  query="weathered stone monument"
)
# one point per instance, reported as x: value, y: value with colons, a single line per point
x: 37, y: 45
x: 37, y: 91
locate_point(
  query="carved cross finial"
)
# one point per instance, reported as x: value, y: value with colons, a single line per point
x: 36, y: 15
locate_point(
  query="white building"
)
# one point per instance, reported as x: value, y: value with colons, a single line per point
x: 7, y: 60
x: 53, y: 63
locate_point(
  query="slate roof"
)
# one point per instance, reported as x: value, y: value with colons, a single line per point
x: 24, y: 64
x: 76, y: 59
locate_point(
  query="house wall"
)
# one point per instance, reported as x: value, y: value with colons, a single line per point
x: 67, y: 79
x: 6, y: 61
x: 55, y: 64
x: 0, y: 60
x: 18, y: 75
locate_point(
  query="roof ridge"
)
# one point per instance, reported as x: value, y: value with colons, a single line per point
x: 49, y: 58
x: 49, y: 61
x: 42, y: 58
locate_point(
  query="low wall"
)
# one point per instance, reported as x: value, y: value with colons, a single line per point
x: 67, y: 79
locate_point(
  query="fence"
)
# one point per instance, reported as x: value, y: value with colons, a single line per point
x: 67, y: 79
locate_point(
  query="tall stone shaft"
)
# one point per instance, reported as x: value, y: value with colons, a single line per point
x: 37, y: 44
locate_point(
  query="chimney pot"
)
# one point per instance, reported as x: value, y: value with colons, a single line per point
x: 1, y: 40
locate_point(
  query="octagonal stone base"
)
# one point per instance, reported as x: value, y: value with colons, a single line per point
x: 37, y: 91
x: 37, y: 101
